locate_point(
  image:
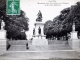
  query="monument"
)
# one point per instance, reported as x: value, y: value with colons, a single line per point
x: 74, y: 41
x: 2, y: 38
x: 39, y: 38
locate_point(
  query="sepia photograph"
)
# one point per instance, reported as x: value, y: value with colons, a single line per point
x: 39, y: 29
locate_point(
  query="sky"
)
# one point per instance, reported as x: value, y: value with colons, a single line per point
x: 32, y: 7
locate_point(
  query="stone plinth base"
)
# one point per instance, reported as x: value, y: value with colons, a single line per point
x: 39, y: 42
x: 74, y: 35
x: 3, y: 34
x: 2, y: 46
x: 2, y: 41
x: 74, y: 44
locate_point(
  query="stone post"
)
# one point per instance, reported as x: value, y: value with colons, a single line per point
x: 74, y: 42
x: 2, y: 39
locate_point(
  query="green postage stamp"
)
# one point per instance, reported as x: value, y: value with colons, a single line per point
x: 13, y: 7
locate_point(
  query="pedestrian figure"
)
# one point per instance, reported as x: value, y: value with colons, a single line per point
x: 27, y: 47
x: 33, y: 31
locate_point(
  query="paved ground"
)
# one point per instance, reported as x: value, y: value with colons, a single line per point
x: 41, y: 55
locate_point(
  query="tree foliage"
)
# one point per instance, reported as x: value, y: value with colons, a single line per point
x: 62, y: 24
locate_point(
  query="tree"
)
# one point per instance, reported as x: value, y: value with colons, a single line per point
x: 47, y: 28
x: 62, y: 24
x: 56, y: 27
x: 15, y: 25
x: 73, y: 16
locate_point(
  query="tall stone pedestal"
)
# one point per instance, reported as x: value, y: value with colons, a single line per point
x: 2, y: 41
x: 74, y: 42
x: 39, y: 37
x: 39, y: 40
x: 74, y: 35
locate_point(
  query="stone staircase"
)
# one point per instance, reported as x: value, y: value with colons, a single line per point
x: 52, y: 45
x: 55, y: 50
x: 20, y: 45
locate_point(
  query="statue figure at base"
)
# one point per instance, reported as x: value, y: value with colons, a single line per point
x: 73, y: 27
x: 39, y: 31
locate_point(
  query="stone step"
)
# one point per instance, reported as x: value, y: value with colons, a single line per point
x: 1, y: 46
x: 57, y: 42
x: 18, y: 42
x: 2, y: 49
x: 2, y: 42
x: 39, y: 48
x: 17, y: 48
x: 23, y: 42
x: 40, y: 55
x: 49, y: 47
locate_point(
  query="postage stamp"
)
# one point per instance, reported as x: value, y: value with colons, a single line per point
x: 13, y: 7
